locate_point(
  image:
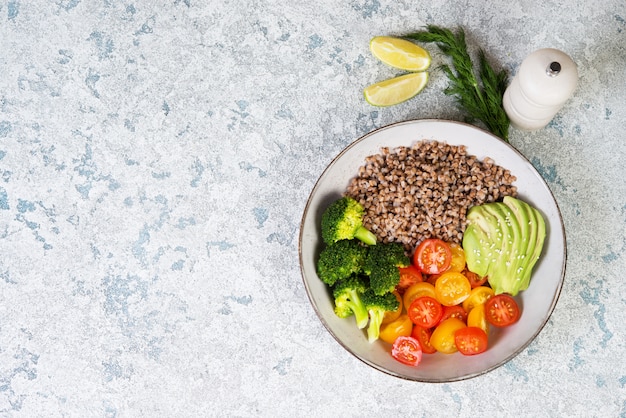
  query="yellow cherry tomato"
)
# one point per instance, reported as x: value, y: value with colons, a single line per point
x: 416, y: 290
x: 452, y: 288
x: 458, y: 258
x: 401, y: 327
x: 391, y: 316
x: 442, y: 338
x: 477, y: 318
x: 478, y: 296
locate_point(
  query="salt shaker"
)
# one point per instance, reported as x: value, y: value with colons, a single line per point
x: 545, y: 80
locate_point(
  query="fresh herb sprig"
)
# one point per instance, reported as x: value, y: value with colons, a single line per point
x: 481, y: 97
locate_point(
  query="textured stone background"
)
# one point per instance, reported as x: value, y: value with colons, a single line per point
x: 155, y: 160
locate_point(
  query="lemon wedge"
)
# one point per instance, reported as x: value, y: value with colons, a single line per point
x: 400, y: 53
x: 395, y: 90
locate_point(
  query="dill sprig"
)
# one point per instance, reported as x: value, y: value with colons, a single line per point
x: 481, y: 97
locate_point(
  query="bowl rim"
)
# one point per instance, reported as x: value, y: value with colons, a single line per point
x: 505, y: 360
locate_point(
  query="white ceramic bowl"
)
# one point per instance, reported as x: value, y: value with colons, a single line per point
x: 537, y: 302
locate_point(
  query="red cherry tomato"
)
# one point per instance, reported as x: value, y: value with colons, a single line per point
x: 474, y: 279
x: 432, y: 278
x: 408, y: 276
x: 502, y: 310
x: 407, y: 350
x: 425, y: 311
x: 432, y: 256
x: 470, y: 340
x: 422, y: 335
x: 455, y: 311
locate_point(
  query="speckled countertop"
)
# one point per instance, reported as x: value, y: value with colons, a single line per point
x: 155, y: 160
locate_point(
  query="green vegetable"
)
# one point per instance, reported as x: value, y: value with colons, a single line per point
x: 481, y: 97
x: 381, y: 265
x: 342, y: 220
x: 341, y: 259
x: 503, y: 240
x: 376, y: 306
x: 347, y: 294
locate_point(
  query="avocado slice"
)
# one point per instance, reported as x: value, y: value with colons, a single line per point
x: 540, y: 239
x: 536, y: 238
x: 502, y: 276
x: 474, y: 242
x: 526, y: 221
x: 483, y: 241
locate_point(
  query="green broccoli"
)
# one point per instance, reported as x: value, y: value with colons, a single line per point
x: 341, y: 259
x: 347, y: 294
x: 343, y: 219
x: 381, y: 265
x: 376, y: 306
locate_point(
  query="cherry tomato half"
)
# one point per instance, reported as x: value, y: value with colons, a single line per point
x: 425, y: 311
x: 452, y: 288
x: 457, y: 263
x: 455, y: 311
x: 432, y: 256
x: 408, y: 276
x: 502, y: 310
x: 476, y: 318
x: 478, y: 296
x: 432, y: 278
x: 470, y: 340
x: 443, y: 336
x: 407, y: 350
x: 422, y: 335
x: 401, y: 327
x: 474, y: 279
x: 417, y: 290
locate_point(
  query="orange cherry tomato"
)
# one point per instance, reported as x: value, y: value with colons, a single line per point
x: 474, y: 279
x: 432, y: 256
x: 422, y: 335
x: 452, y: 288
x: 476, y: 318
x: 478, y: 296
x: 443, y: 336
x: 417, y: 290
x: 425, y: 311
x: 455, y: 311
x: 502, y: 310
x: 470, y: 341
x: 401, y: 327
x: 408, y: 276
x: 457, y: 263
x: 391, y: 316
x: 407, y: 350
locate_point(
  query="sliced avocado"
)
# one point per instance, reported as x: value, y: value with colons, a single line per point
x: 474, y: 240
x: 526, y: 220
x: 525, y: 258
x: 484, y: 240
x: 540, y: 239
x: 502, y: 275
x: 504, y: 241
x: 536, y: 224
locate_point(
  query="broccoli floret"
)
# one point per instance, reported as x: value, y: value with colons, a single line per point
x: 376, y: 306
x: 347, y: 294
x: 341, y: 259
x: 381, y: 265
x: 343, y: 219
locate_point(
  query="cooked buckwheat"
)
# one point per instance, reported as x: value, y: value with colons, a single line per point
x: 424, y: 191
